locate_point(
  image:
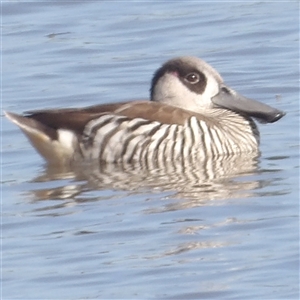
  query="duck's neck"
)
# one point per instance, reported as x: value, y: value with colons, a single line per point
x: 233, y: 130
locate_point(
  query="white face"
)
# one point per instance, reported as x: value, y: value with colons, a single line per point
x: 174, y: 88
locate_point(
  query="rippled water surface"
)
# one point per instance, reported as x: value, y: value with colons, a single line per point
x: 213, y: 231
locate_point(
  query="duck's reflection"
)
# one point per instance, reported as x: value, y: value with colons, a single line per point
x: 205, y: 180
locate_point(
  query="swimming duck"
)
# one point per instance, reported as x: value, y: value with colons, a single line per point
x: 192, y: 113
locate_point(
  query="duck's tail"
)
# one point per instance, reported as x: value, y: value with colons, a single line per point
x: 55, y: 145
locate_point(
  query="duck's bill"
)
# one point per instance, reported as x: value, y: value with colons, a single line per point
x: 230, y: 99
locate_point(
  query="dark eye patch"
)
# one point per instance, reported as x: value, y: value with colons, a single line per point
x: 192, y: 78
x: 195, y: 80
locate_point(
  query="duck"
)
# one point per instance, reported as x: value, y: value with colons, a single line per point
x: 192, y: 114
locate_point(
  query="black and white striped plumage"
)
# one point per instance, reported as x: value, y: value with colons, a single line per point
x: 192, y: 115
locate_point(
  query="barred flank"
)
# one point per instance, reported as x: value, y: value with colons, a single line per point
x: 114, y: 138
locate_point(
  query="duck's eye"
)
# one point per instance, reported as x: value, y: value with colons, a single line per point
x: 192, y: 78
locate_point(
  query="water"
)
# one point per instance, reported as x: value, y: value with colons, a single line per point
x: 203, y: 234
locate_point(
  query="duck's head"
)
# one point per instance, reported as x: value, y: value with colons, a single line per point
x: 192, y: 84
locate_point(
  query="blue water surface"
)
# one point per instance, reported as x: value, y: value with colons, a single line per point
x: 119, y: 236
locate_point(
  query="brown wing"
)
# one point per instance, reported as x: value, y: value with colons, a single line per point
x: 76, y: 119
x: 154, y: 111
